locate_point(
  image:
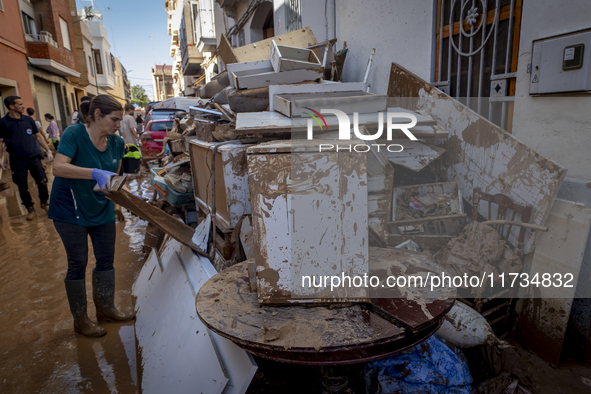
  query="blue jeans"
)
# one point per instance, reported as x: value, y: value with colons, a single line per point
x: 75, y: 239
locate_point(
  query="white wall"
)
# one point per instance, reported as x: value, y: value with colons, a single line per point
x: 401, y: 31
x: 315, y: 17
x: 558, y: 126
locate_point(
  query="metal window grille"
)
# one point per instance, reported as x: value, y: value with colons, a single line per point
x: 476, y: 55
x: 294, y: 15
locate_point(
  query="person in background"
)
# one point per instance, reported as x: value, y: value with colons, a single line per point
x: 77, y: 118
x: 89, y: 154
x: 31, y: 113
x: 128, y: 126
x: 52, y: 130
x: 140, y: 123
x: 21, y: 135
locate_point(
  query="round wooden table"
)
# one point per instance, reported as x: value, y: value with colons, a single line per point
x: 328, y: 335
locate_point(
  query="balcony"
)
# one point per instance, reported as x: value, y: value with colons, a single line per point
x: 44, y: 53
x: 43, y: 36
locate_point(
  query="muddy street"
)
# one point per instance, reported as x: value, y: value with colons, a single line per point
x: 40, y: 351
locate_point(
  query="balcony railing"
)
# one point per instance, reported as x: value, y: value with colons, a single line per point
x: 42, y: 36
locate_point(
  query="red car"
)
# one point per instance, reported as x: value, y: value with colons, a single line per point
x: 152, y: 137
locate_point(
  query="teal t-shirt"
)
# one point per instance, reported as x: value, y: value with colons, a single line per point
x: 73, y: 200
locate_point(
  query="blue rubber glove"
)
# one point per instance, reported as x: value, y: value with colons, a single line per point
x: 102, y: 177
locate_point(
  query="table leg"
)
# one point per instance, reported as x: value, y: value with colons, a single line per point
x: 334, y: 380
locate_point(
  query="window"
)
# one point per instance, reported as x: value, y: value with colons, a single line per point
x: 476, y: 56
x: 65, y: 34
x: 29, y: 25
x: 161, y: 126
x: 294, y: 15
x: 98, y: 61
x: 74, y: 102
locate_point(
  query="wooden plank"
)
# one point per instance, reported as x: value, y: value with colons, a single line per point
x: 260, y: 50
x: 176, y: 351
x: 481, y: 154
x: 173, y: 227
x: 415, y: 155
x: 546, y: 309
x: 201, y: 171
x: 225, y: 51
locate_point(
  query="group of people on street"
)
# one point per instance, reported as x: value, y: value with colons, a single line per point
x: 89, y: 153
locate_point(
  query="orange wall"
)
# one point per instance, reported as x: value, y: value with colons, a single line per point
x: 13, y: 63
x: 14, y: 66
x: 11, y: 25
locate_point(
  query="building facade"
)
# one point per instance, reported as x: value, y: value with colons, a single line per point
x: 191, y: 26
x: 14, y: 75
x: 52, y: 57
x: 162, y: 80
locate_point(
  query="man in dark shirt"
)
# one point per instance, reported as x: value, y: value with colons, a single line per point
x: 20, y: 134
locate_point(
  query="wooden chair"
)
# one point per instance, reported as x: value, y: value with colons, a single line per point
x: 498, y: 307
x: 503, y: 204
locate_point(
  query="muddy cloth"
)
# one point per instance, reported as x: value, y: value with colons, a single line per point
x: 478, y: 249
x: 180, y: 183
x: 430, y: 367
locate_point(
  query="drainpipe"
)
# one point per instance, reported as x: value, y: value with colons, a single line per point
x: 163, y: 84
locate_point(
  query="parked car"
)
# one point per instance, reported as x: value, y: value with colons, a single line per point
x: 153, y: 136
x: 164, y: 113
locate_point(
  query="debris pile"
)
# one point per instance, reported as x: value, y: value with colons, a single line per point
x: 240, y: 165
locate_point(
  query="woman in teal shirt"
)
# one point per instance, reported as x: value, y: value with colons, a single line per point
x: 89, y: 154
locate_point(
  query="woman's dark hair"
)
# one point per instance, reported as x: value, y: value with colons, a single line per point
x: 128, y: 107
x: 105, y: 103
x: 49, y: 116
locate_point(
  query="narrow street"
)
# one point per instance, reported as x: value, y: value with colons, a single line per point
x: 40, y: 352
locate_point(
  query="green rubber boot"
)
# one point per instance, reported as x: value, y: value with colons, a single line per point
x: 76, y: 291
x: 103, y: 294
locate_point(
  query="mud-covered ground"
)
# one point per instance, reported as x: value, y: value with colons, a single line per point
x: 39, y: 352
